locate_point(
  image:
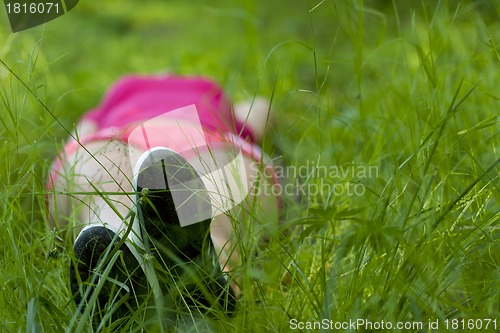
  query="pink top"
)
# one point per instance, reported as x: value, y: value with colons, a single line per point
x: 149, y: 105
x: 137, y: 98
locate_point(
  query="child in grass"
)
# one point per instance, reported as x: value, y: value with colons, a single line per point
x: 149, y: 187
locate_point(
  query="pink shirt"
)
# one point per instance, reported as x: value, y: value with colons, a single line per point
x: 153, y: 105
x: 135, y: 99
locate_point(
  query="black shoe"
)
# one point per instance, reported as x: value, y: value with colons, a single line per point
x: 121, y: 291
x: 174, y: 208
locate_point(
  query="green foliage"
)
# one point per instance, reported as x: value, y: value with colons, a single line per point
x: 408, y: 88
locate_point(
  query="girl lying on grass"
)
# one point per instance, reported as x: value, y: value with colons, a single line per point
x: 149, y: 188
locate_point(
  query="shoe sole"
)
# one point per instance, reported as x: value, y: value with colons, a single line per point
x: 121, y: 288
x: 163, y: 210
x: 173, y: 243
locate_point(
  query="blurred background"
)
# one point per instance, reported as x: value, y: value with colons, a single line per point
x: 295, y: 51
x: 410, y: 87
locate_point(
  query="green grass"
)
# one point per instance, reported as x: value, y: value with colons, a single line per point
x: 410, y: 89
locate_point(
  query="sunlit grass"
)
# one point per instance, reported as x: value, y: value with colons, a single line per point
x: 408, y: 89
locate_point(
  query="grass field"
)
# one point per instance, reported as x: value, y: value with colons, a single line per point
x: 387, y: 113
